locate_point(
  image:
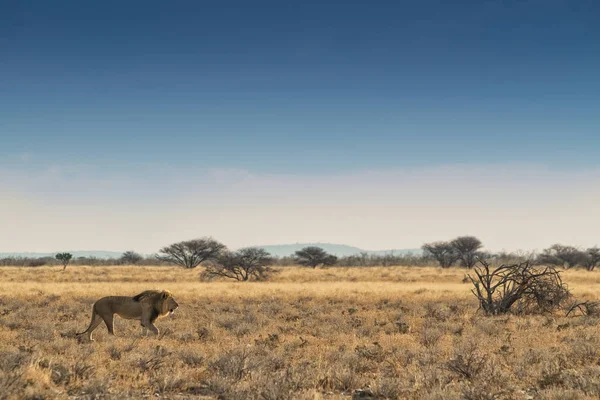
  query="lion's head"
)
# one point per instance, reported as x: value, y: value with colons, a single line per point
x: 162, y: 301
x: 168, y: 303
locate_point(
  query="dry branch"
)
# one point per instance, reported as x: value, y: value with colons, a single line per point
x: 529, y: 288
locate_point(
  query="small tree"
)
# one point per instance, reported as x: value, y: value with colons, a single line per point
x: 443, y: 252
x: 131, y: 258
x: 242, y: 265
x: 64, y: 259
x: 191, y: 253
x: 533, y: 290
x: 313, y: 256
x: 562, y: 256
x: 592, y: 258
x: 466, y: 247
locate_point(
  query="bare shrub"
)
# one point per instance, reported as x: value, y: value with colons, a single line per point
x: 167, y: 384
x: 204, y: 334
x: 533, y: 290
x: 402, y: 326
x: 155, y: 361
x: 233, y: 364
x: 83, y: 371
x: 439, y: 312
x: 585, y: 380
x: 468, y: 362
x: 114, y: 353
x: 431, y: 335
x: 587, y: 308
x: 12, y: 360
x: 583, y: 349
x: 11, y: 383
x: 370, y: 352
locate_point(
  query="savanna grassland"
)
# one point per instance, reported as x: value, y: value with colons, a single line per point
x: 394, y: 332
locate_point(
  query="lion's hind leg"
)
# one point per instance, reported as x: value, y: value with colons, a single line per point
x: 96, y: 320
x: 109, y: 320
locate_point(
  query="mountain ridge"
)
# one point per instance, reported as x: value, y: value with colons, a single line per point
x: 340, y: 250
x: 78, y: 253
x: 278, y: 250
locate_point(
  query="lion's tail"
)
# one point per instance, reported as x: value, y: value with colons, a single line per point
x: 91, y: 323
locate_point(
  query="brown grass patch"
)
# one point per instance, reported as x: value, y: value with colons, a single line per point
x: 407, y: 333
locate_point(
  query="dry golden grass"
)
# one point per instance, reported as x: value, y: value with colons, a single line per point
x: 395, y: 332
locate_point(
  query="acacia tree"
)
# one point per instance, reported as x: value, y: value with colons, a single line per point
x: 466, y: 247
x: 242, y: 265
x: 131, y: 258
x: 64, y: 259
x: 562, y: 256
x: 592, y: 258
x: 313, y: 256
x: 191, y: 253
x: 443, y: 252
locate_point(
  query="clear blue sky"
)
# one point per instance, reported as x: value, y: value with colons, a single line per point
x: 308, y: 86
x: 381, y: 124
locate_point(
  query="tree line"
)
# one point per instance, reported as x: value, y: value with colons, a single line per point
x: 466, y: 252
x: 255, y: 263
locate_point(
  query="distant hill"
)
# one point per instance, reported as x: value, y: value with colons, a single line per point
x: 340, y: 250
x: 279, y: 250
x: 83, y: 253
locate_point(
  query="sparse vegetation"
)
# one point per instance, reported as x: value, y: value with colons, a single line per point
x: 327, y: 333
x: 562, y: 256
x: 467, y: 249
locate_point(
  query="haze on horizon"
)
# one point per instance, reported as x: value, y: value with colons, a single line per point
x: 133, y: 125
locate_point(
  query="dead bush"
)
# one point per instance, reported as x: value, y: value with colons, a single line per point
x: 468, y: 361
x: 233, y: 364
x: 518, y: 288
x: 586, y: 308
x: 436, y: 311
x: 191, y: 358
x: 371, y: 352
x: 431, y: 335
x: 11, y: 384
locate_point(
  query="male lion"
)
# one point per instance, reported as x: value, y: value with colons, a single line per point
x: 145, y: 307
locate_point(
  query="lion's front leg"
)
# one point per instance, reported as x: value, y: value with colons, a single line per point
x: 147, y: 323
x: 150, y: 326
x: 154, y: 329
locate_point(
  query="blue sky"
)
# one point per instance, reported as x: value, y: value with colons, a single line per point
x: 148, y: 91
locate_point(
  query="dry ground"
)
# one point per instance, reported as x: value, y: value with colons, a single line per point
x: 330, y: 333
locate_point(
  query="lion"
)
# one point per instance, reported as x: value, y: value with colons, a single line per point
x: 146, y: 307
